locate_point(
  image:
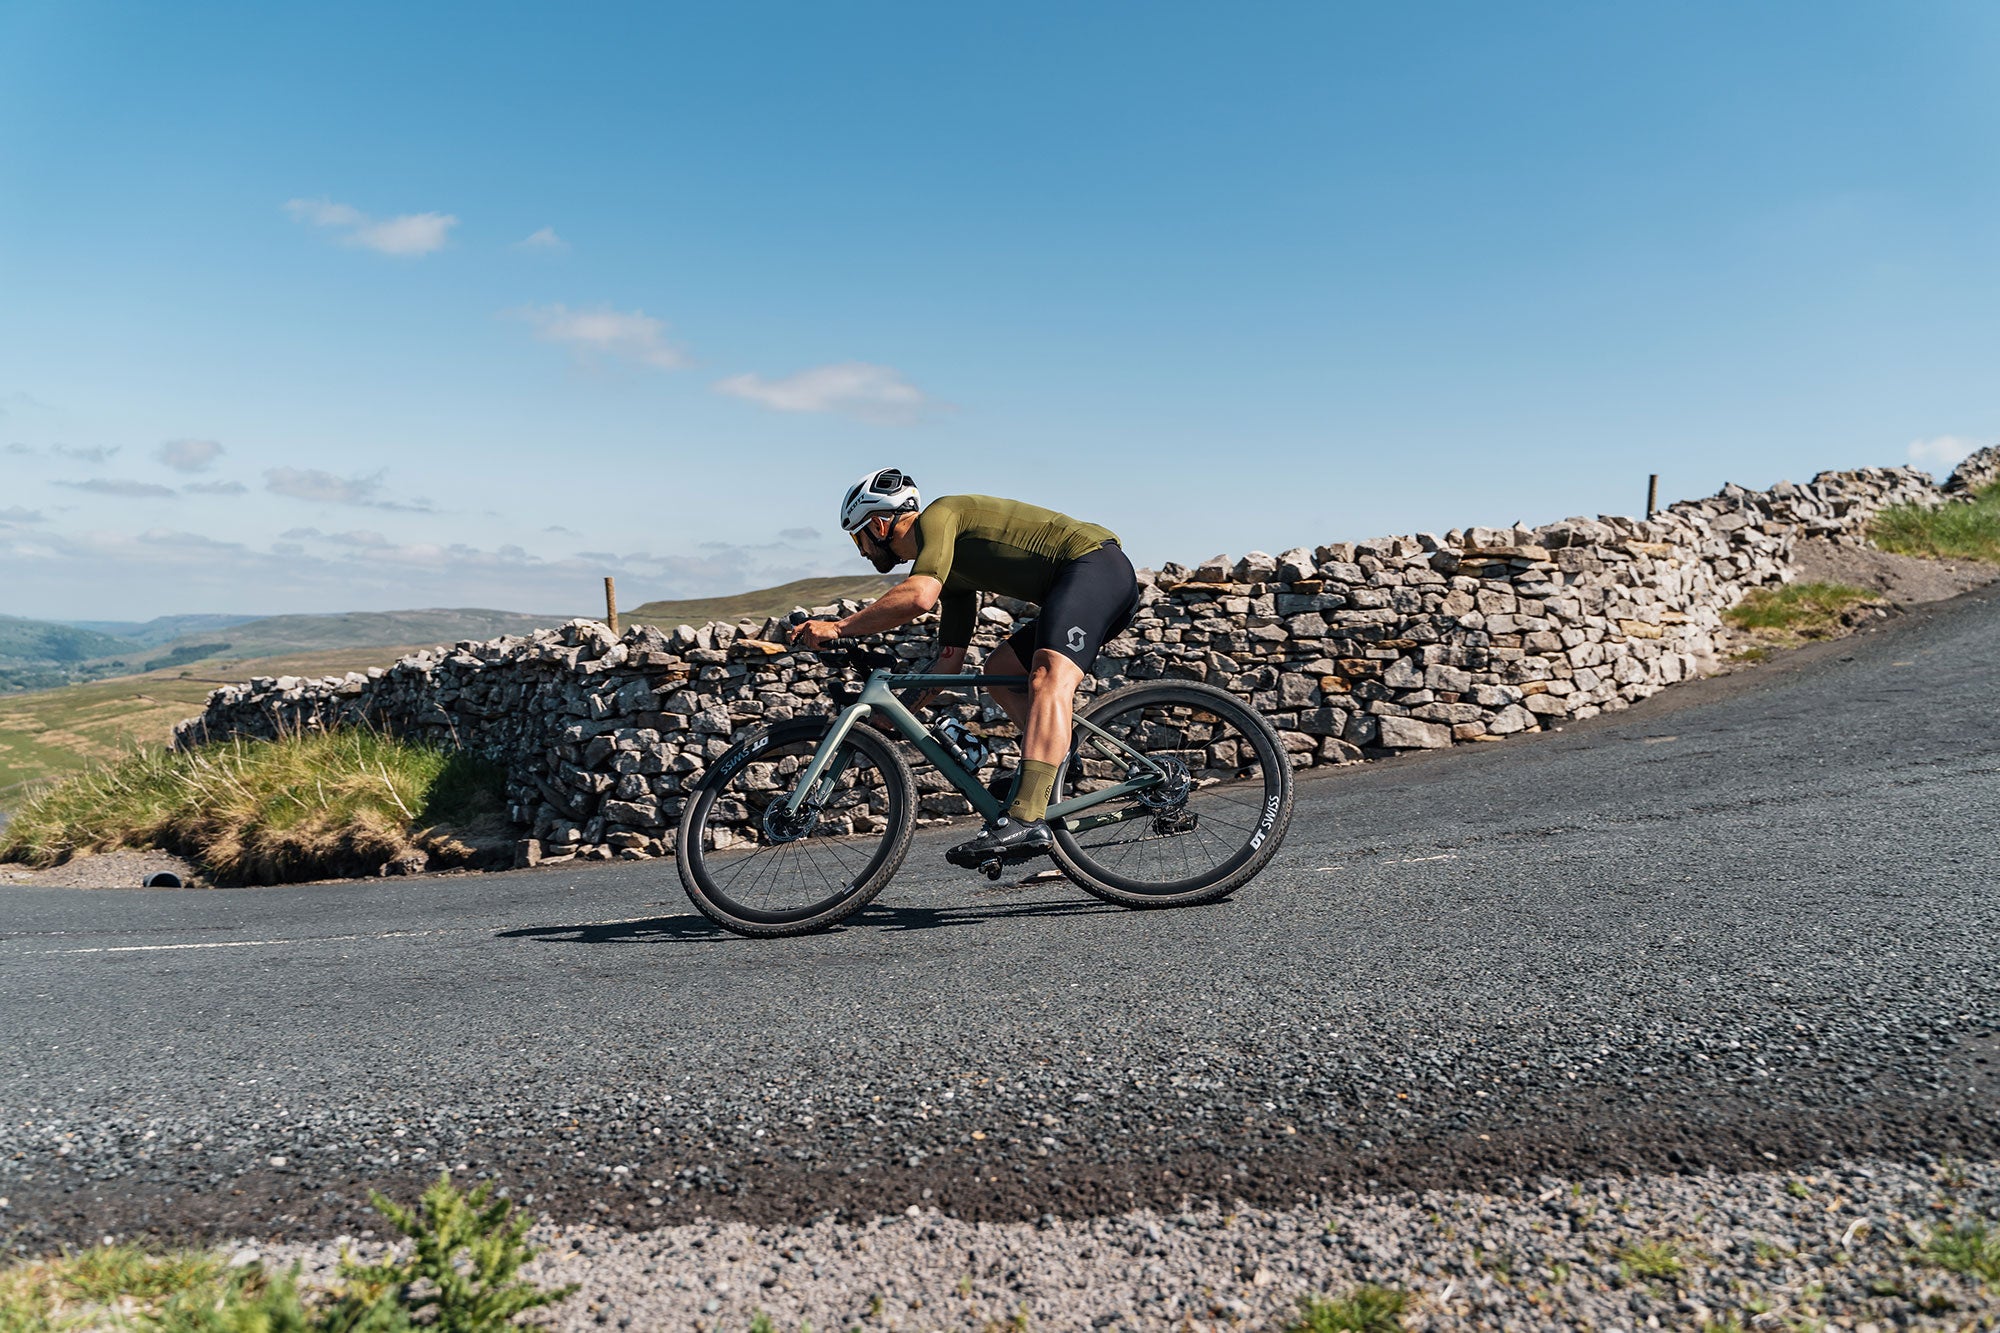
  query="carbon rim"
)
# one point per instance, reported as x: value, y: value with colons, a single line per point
x: 755, y: 863
x: 1237, y: 787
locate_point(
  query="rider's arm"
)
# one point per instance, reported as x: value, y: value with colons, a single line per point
x: 900, y: 605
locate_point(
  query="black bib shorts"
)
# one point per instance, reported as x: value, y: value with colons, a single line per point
x: 1092, y: 600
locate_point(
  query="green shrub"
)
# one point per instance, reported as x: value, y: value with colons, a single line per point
x: 462, y: 1274
x: 304, y: 806
x: 1963, y: 531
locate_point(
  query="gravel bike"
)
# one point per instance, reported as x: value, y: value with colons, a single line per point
x: 1172, y: 793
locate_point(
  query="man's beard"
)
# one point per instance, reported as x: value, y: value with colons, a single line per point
x: 882, y: 558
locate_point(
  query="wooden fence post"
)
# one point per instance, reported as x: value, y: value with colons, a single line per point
x: 611, y: 602
x: 1652, y: 496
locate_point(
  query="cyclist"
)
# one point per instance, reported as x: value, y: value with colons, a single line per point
x: 964, y: 545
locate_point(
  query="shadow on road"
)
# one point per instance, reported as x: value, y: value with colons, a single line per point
x: 690, y: 927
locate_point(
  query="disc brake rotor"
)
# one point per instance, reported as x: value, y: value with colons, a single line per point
x: 1171, y: 792
x: 781, y: 825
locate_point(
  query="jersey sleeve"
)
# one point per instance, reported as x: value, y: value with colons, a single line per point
x: 958, y: 609
x: 937, y: 540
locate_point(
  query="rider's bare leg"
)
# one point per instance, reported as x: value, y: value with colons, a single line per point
x: 1002, y: 661
x: 1042, y: 711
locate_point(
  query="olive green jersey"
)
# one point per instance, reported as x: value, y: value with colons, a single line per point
x: 977, y: 543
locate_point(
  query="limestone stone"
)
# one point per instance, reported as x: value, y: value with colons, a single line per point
x: 1407, y: 733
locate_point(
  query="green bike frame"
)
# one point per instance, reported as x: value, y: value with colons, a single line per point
x: 878, y: 696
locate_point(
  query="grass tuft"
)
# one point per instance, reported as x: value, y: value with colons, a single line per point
x: 1964, y: 531
x: 81, y: 1290
x: 306, y: 806
x: 1366, y: 1309
x: 1653, y: 1260
x: 1971, y: 1247
x: 1796, y: 612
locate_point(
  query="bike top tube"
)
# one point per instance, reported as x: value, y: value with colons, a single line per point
x: 972, y: 678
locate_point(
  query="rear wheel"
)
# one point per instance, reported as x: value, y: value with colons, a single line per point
x: 1209, y: 829
x: 751, y: 866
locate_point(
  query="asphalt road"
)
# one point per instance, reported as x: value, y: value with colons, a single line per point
x: 1752, y: 920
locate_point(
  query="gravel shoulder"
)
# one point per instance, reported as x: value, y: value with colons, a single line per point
x: 105, y: 870
x: 1903, y: 580
x: 1842, y: 1242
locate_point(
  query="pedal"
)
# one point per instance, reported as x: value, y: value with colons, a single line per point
x: 991, y: 869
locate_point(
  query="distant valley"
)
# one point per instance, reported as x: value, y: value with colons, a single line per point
x: 79, y: 691
x: 40, y: 654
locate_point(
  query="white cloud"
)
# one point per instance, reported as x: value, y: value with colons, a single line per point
x: 326, y: 488
x: 628, y: 335
x: 1944, y: 451
x: 324, y: 213
x: 189, y: 455
x: 215, y: 488
x: 411, y: 234
x: 16, y: 514
x: 94, y: 453
x: 135, y: 490
x: 854, y: 388
x: 405, y: 235
x: 545, y: 239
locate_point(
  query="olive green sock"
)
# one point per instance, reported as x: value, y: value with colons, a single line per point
x: 1031, y: 791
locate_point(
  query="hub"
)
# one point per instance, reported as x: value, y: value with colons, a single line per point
x: 781, y: 825
x: 1171, y: 792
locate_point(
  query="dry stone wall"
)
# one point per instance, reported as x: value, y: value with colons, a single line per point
x: 1353, y: 649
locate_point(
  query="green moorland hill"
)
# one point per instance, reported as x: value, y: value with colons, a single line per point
x: 339, y: 632
x: 36, y: 654
x: 761, y: 602
x: 161, y: 629
x: 39, y: 655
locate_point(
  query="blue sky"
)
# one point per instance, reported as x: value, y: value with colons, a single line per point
x: 365, y: 306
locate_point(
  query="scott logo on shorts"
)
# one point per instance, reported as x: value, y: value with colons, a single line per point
x: 1076, y: 638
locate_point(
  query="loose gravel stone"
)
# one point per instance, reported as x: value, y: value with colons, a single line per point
x: 1841, y: 1244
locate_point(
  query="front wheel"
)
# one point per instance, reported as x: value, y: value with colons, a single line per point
x: 751, y: 866
x: 1205, y: 832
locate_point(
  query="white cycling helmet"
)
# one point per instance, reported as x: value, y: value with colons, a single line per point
x: 882, y: 494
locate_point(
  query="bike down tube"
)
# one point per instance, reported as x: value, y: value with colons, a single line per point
x: 879, y: 693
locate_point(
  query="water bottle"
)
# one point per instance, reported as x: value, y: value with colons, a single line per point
x: 968, y: 749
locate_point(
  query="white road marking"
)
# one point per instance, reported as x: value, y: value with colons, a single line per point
x: 1399, y: 861
x: 242, y: 944
x: 156, y: 948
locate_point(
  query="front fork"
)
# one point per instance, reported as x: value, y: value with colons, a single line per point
x: 816, y: 784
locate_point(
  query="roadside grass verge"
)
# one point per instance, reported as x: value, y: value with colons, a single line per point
x: 1790, y: 615
x: 459, y: 1271
x: 1966, y: 531
x: 306, y: 806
